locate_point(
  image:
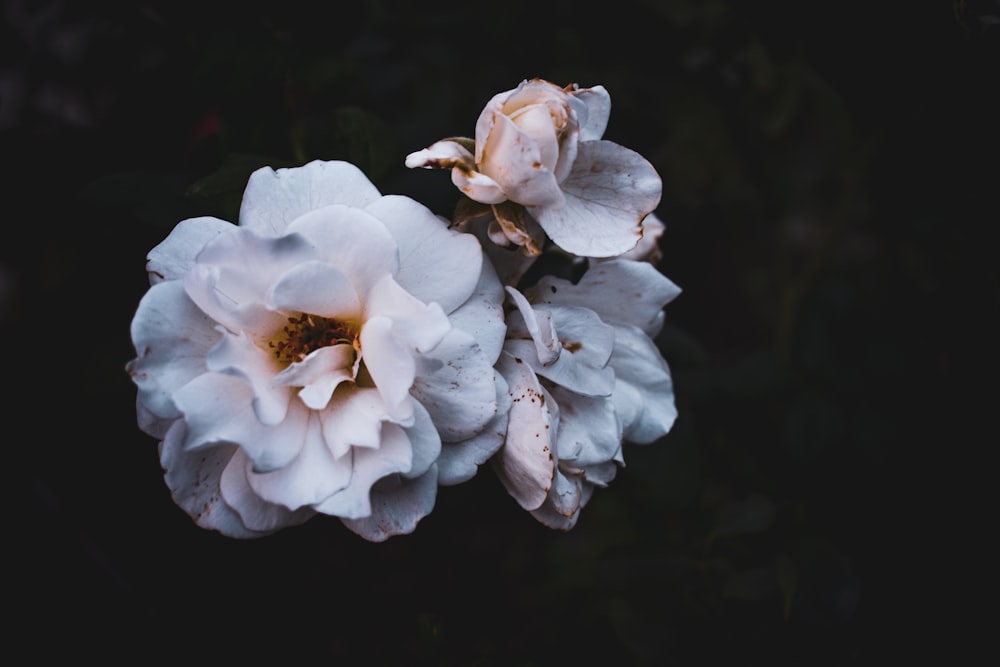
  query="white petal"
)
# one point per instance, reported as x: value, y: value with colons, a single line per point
x: 255, y: 512
x: 416, y: 325
x: 424, y: 441
x: 549, y: 516
x: 608, y: 193
x: 319, y: 374
x: 436, y: 264
x: 598, y: 103
x: 620, y: 291
x: 353, y: 240
x: 455, y: 383
x: 316, y: 288
x: 354, y: 419
x: 234, y: 274
x: 482, y: 315
x: 394, y: 455
x: 310, y: 478
x: 273, y: 199
x: 193, y: 480
x: 218, y: 409
x: 237, y: 355
x: 174, y: 256
x: 644, y: 391
x: 171, y: 336
x: 586, y: 344
x: 535, y: 121
x: 589, y: 430
x: 459, y: 461
x: 397, y: 505
x: 390, y: 365
x: 526, y: 463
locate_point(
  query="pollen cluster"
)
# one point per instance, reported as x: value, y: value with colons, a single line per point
x: 305, y: 333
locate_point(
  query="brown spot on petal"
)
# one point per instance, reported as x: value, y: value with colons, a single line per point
x: 572, y: 347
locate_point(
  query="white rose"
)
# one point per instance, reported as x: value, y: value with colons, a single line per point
x: 540, y: 146
x: 584, y: 376
x: 318, y: 357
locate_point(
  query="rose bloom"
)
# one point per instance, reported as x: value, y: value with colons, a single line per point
x: 539, y: 146
x: 584, y: 376
x: 333, y: 353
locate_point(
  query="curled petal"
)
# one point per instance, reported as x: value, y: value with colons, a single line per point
x: 538, y: 325
x: 390, y: 365
x: 319, y: 374
x: 589, y: 430
x: 478, y: 186
x: 526, y: 464
x: 550, y: 515
x: 444, y: 154
x: 416, y: 326
x: 598, y: 109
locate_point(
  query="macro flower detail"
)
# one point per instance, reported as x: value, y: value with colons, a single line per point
x: 332, y: 353
x: 584, y: 377
x: 538, y: 160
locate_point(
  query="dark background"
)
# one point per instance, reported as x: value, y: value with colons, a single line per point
x: 831, y: 185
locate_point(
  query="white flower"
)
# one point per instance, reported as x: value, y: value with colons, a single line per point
x: 333, y: 353
x: 540, y: 146
x: 584, y: 376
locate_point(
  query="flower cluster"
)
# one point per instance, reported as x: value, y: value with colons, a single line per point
x: 344, y: 352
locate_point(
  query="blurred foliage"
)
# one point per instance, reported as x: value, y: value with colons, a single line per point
x: 830, y: 194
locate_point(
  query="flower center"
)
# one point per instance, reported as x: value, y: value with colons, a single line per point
x: 306, y: 333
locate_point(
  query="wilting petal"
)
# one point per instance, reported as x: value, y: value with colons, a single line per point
x: 459, y: 461
x: 437, y: 265
x: 273, y: 199
x: 193, y: 479
x: 478, y: 187
x: 526, y: 463
x: 514, y: 160
x: 608, y: 193
x: 444, y: 154
x: 455, y: 383
x: 172, y: 337
x: 549, y: 515
x: 397, y: 505
x: 255, y: 512
x: 174, y: 256
x: 394, y: 455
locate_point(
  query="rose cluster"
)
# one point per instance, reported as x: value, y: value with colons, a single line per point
x: 344, y: 352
